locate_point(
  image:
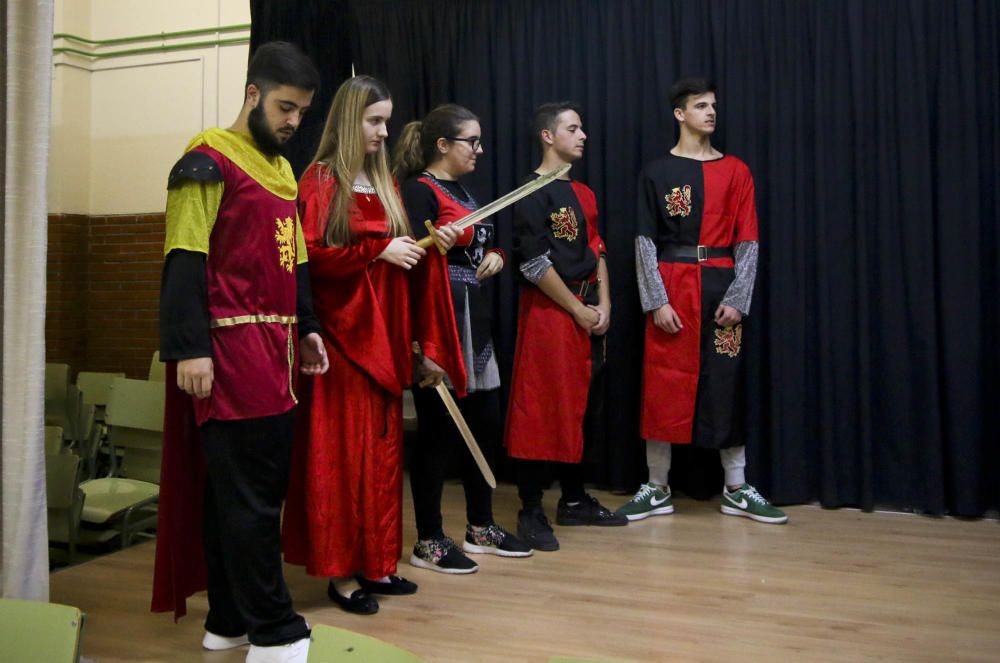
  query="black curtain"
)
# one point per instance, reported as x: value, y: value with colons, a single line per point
x: 873, y: 132
x: 321, y: 29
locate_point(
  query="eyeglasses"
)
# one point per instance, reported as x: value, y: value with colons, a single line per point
x: 475, y: 142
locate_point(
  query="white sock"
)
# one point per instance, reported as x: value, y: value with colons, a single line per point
x: 345, y: 586
x: 658, y: 457
x: 734, y: 463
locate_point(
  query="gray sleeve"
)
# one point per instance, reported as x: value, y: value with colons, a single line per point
x: 740, y: 291
x: 652, y: 292
x: 535, y: 269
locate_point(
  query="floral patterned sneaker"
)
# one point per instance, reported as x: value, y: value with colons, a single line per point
x: 493, y: 540
x: 441, y: 555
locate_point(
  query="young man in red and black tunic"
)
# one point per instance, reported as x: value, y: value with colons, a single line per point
x: 235, y: 301
x: 696, y: 260
x: 564, y: 312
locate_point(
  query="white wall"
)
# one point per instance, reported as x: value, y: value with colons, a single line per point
x: 119, y: 124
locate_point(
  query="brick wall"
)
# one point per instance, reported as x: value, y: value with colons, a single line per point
x: 66, y: 277
x: 103, y: 289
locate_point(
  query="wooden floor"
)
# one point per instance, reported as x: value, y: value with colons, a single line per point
x: 694, y: 586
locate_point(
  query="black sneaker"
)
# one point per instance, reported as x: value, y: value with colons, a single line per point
x: 494, y: 540
x: 533, y: 528
x: 441, y: 555
x: 588, y: 511
x: 397, y: 586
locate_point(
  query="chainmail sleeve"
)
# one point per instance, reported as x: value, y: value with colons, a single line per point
x: 740, y: 291
x: 652, y: 292
x: 535, y: 268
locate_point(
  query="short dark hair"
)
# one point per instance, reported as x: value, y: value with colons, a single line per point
x: 545, y: 115
x: 693, y: 86
x: 281, y: 63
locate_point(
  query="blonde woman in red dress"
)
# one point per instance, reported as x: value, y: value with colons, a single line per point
x: 343, y: 517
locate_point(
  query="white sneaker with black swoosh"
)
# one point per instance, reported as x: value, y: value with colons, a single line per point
x: 747, y: 502
x: 648, y: 501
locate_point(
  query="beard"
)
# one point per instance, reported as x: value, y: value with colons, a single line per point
x: 266, y: 140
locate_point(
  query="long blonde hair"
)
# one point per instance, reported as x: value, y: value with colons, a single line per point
x: 342, y: 149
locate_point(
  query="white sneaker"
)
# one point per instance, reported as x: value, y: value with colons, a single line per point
x: 294, y: 652
x: 214, y: 642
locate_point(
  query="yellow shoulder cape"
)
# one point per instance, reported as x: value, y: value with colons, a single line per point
x: 273, y: 173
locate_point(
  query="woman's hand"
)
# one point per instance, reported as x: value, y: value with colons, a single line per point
x: 447, y: 235
x: 430, y: 374
x: 402, y: 252
x: 490, y: 266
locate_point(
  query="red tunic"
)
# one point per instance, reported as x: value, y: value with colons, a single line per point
x: 343, y: 514
x: 250, y: 277
x: 690, y: 202
x: 250, y: 273
x: 552, y: 356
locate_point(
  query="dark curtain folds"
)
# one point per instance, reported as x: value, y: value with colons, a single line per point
x: 873, y: 132
x: 322, y: 30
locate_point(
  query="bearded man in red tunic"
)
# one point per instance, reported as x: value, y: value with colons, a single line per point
x: 235, y: 301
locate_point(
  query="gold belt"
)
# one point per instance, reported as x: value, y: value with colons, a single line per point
x: 258, y: 318
x: 255, y: 318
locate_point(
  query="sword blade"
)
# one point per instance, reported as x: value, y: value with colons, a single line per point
x: 503, y: 201
x: 463, y: 428
x: 509, y: 199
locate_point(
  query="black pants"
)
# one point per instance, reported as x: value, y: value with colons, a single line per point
x: 248, y: 463
x: 533, y: 476
x: 438, y: 441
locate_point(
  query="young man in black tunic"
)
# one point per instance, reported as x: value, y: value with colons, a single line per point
x: 696, y: 259
x: 564, y: 312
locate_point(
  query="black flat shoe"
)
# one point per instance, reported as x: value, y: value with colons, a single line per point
x: 360, y: 603
x: 397, y: 586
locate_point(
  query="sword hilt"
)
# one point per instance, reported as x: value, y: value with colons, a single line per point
x: 431, y: 239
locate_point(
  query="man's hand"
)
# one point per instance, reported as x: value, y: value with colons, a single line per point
x: 312, y: 355
x: 430, y: 374
x: 603, y: 321
x: 490, y: 266
x: 402, y: 252
x: 447, y: 235
x: 587, y: 317
x: 195, y: 376
x: 666, y: 318
x: 727, y: 316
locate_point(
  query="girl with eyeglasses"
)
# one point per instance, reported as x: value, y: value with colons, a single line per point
x: 430, y: 159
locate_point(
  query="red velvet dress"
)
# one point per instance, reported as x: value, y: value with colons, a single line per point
x: 343, y: 514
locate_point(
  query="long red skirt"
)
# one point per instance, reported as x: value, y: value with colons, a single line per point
x: 343, y: 514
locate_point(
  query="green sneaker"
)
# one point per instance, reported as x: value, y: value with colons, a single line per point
x: 649, y: 501
x: 747, y: 502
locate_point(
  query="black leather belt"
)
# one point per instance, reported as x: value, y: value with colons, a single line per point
x: 675, y: 252
x: 581, y: 288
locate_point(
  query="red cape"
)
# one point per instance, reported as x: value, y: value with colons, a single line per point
x: 180, y: 560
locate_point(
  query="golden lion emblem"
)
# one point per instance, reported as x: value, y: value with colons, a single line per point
x: 285, y: 237
x: 729, y: 340
x: 564, y: 224
x: 679, y: 201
